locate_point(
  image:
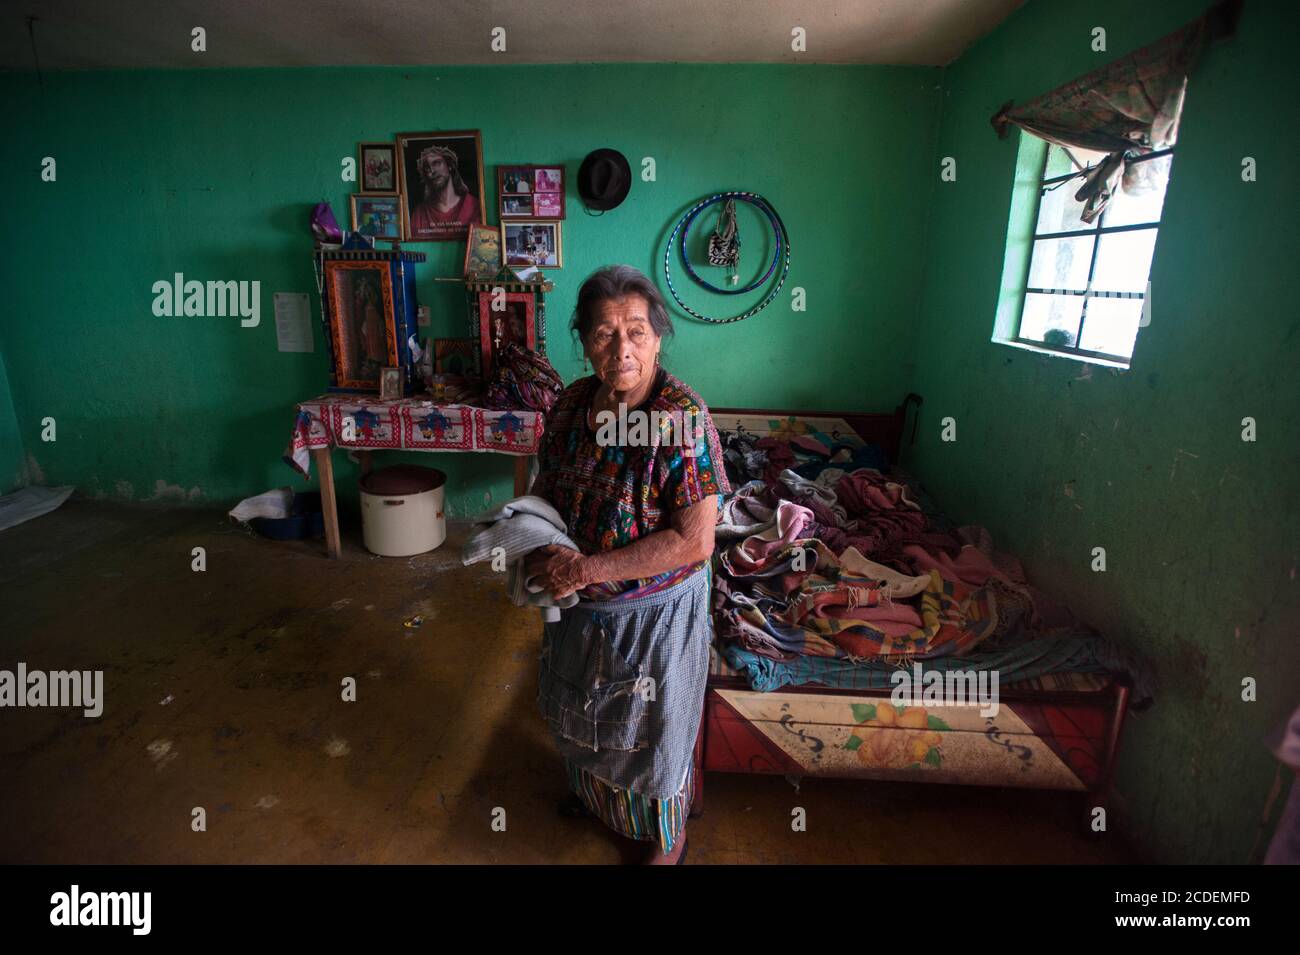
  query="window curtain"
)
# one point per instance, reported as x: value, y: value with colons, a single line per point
x: 1126, y: 109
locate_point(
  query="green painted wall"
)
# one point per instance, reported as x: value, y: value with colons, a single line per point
x: 13, y: 463
x: 1201, y: 530
x: 211, y: 173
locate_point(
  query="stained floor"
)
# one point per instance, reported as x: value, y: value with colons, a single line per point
x: 224, y: 692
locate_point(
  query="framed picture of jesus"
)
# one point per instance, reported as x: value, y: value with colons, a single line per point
x: 441, y: 182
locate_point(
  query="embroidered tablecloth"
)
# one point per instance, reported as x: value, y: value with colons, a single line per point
x: 366, y: 422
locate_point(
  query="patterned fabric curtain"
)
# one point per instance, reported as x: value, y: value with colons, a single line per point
x: 1126, y: 108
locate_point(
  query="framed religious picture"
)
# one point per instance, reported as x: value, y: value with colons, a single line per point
x: 363, y: 336
x: 378, y: 163
x: 531, y: 243
x: 526, y: 191
x: 378, y: 215
x: 390, y: 384
x: 483, y: 250
x: 517, y: 323
x: 454, y: 356
x: 441, y: 180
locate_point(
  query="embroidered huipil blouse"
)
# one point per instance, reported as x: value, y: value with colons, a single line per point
x: 611, y: 494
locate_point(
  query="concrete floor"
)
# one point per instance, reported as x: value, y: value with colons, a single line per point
x: 223, y: 691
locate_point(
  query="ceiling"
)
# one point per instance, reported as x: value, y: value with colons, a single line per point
x: 155, y: 34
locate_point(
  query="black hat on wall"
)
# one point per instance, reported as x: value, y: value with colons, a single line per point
x: 604, y: 179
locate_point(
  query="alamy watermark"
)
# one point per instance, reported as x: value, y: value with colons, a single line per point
x: 75, y: 907
x: 76, y: 688
x: 946, y: 688
x: 181, y: 298
x: 680, y: 427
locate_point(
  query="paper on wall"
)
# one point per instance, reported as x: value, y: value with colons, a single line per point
x: 293, y: 322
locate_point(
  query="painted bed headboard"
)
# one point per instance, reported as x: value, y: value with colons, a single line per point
x: 885, y: 430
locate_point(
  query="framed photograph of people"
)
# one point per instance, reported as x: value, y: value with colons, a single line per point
x: 441, y: 177
x: 518, y: 207
x: 378, y: 163
x: 531, y: 191
x: 548, y: 205
x: 363, y: 339
x: 548, y: 179
x: 517, y: 323
x: 531, y: 243
x: 514, y: 180
x: 378, y: 215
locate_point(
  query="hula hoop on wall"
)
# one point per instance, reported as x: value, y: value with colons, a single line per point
x: 683, y: 227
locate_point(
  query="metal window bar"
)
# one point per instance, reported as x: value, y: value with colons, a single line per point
x: 1088, y: 292
x: 1097, y: 232
x: 1056, y: 180
x: 1071, y: 350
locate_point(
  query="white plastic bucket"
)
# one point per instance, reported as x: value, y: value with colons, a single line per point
x: 401, y: 510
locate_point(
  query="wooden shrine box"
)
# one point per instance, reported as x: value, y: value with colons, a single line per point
x: 368, y: 316
x: 523, y: 320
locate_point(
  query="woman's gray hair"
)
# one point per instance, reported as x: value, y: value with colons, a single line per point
x: 614, y: 282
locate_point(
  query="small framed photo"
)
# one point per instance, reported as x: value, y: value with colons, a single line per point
x: 548, y: 179
x: 390, y: 384
x: 530, y: 191
x: 548, y: 205
x: 440, y: 177
x: 378, y: 163
x: 532, y: 243
x: 514, y: 180
x: 378, y: 215
x: 516, y: 207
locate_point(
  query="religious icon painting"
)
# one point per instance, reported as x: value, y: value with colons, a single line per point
x: 378, y: 167
x: 363, y: 336
x: 516, y: 322
x: 441, y: 176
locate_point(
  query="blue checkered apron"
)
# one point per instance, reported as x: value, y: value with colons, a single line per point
x: 622, y: 685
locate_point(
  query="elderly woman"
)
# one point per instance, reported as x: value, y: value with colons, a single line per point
x: 623, y: 671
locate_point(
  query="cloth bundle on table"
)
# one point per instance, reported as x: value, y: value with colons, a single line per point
x: 520, y: 527
x: 522, y: 379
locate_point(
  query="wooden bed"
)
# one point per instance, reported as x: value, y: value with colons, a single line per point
x: 1060, y: 731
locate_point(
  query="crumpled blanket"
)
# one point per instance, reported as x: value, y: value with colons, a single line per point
x: 849, y: 566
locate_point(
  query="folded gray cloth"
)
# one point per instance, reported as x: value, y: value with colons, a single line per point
x: 519, y: 528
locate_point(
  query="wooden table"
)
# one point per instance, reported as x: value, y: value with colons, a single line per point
x: 329, y: 503
x: 366, y: 424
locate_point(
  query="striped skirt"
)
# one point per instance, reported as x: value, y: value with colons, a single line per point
x: 631, y: 814
x: 622, y: 684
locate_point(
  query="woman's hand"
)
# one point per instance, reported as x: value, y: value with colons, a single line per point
x: 559, y: 570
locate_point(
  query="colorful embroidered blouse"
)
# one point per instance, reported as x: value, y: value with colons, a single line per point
x: 611, y: 494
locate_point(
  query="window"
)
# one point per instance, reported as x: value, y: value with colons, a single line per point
x: 1087, y: 283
